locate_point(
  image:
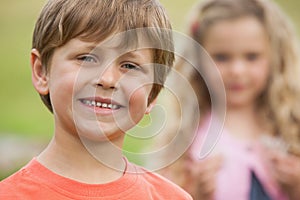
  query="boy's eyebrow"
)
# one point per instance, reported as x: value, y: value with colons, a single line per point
x: 91, y: 47
x: 130, y: 53
x: 94, y: 48
x: 136, y: 54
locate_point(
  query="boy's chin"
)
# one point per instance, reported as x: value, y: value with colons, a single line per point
x: 99, y: 136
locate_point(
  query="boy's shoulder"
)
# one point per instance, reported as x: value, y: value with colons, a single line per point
x: 159, y: 186
x: 11, y: 186
x: 34, y: 181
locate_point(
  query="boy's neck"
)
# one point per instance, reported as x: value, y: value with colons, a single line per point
x: 68, y: 157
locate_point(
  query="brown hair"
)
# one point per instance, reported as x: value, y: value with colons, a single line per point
x: 95, y: 20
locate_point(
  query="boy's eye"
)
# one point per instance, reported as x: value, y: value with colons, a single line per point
x: 87, y: 58
x: 130, y: 66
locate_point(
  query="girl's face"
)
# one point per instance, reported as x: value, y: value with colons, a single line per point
x: 240, y: 49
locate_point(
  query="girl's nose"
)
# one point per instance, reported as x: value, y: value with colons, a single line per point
x: 237, y: 67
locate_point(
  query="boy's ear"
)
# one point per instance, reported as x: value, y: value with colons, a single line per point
x: 150, y: 106
x: 38, y: 74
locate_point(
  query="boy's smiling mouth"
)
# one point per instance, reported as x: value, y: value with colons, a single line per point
x: 101, y: 103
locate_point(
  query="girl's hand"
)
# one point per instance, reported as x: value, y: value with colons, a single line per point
x: 203, y: 174
x: 286, y: 170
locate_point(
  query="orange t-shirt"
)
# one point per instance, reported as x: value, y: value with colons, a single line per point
x: 35, y: 181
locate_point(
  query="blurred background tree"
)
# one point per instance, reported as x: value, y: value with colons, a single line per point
x: 25, y: 123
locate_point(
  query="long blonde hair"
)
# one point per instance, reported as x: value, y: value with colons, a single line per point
x: 279, y: 104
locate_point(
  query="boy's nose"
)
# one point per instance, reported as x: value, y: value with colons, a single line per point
x: 109, y: 78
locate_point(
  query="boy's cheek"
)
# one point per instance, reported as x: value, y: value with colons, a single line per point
x: 138, y: 101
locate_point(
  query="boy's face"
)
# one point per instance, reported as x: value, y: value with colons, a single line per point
x: 99, y: 91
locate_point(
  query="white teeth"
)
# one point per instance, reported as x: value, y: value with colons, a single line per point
x: 100, y: 105
x: 115, y: 107
x: 104, y: 105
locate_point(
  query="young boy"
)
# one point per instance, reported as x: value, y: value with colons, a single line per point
x: 92, y: 64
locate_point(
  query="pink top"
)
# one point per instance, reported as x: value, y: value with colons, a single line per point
x: 240, y: 158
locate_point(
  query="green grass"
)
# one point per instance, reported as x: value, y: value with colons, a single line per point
x: 21, y: 111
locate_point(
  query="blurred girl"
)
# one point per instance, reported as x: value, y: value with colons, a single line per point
x: 255, y: 50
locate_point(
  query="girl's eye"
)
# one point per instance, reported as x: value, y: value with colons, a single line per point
x: 252, y: 56
x: 87, y: 58
x: 130, y: 66
x: 220, y: 57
